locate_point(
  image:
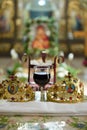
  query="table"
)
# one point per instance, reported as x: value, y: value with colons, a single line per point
x: 35, y: 114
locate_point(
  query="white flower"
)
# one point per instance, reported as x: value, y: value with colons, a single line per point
x: 71, y: 56
x: 62, y: 72
x: 14, y: 54
x: 61, y: 53
x: 21, y: 74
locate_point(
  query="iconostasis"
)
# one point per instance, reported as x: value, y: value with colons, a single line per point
x: 69, y: 14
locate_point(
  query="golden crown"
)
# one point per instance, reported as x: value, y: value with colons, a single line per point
x: 69, y: 90
x: 14, y: 90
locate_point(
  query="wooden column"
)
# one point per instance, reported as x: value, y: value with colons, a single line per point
x: 66, y: 26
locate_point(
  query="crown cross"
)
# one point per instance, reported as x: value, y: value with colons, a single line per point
x: 69, y: 76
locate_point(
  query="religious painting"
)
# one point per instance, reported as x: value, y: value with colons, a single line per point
x: 6, y: 16
x: 41, y: 34
x: 41, y: 40
x: 75, y: 20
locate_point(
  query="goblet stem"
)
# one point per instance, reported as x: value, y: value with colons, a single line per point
x: 42, y: 94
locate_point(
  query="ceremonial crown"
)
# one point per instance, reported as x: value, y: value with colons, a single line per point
x: 15, y: 90
x: 70, y: 89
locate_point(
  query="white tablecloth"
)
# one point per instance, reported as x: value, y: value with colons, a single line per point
x: 37, y: 107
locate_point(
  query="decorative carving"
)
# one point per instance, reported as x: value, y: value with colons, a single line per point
x: 77, y: 48
x: 16, y: 91
x: 68, y: 90
x: 18, y: 47
x: 5, y: 47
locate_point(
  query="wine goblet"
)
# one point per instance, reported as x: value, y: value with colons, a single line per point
x: 41, y: 77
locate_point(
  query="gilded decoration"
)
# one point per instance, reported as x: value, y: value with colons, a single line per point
x: 77, y: 48
x: 14, y: 90
x: 18, y: 47
x: 76, y: 19
x: 63, y: 47
x: 5, y: 47
x: 6, y: 18
x: 70, y: 90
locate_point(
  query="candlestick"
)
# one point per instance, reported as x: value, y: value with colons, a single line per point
x: 58, y: 60
x: 43, y: 55
x: 29, y: 69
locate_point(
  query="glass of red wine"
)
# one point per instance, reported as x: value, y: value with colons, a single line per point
x: 41, y: 77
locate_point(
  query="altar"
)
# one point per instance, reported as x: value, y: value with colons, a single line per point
x: 44, y: 101
x: 46, y: 115
x: 38, y: 115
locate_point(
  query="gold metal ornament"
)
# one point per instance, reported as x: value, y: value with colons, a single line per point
x: 24, y: 58
x: 29, y: 93
x: 13, y: 85
x: 2, y: 91
x: 24, y: 94
x: 17, y: 91
x: 69, y: 90
x: 60, y: 59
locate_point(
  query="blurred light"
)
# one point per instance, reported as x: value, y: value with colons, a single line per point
x: 14, y: 54
x: 20, y: 4
x: 73, y: 13
x: 71, y: 56
x: 61, y: 4
x: 41, y: 2
x: 85, y: 90
x: 61, y: 53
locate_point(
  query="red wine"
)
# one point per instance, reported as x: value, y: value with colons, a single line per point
x: 41, y: 78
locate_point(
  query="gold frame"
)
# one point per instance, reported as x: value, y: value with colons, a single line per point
x: 8, y: 5
x: 5, y: 47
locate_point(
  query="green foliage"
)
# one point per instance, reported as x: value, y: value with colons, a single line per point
x: 3, y: 121
x: 72, y: 70
x: 76, y: 123
x: 12, y: 70
x: 52, y: 27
